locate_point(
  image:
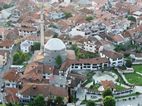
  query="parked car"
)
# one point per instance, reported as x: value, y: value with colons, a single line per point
x: 0, y: 101
x: 2, y: 90
x: 3, y: 85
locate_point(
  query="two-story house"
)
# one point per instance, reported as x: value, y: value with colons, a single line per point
x: 27, y: 29
x: 6, y: 45
x: 115, y: 58
x: 25, y: 46
x: 11, y: 78
x: 30, y: 90
x: 93, y: 64
x: 37, y: 72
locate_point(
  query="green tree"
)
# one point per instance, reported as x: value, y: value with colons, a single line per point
x: 19, y: 57
x: 38, y: 101
x: 58, y: 61
x: 35, y: 46
x: 67, y: 15
x: 89, y: 18
x: 16, y: 59
x: 120, y: 47
x: 59, y: 101
x: 128, y: 63
x: 107, y: 92
x: 131, y: 18
x: 90, y: 103
x: 109, y: 101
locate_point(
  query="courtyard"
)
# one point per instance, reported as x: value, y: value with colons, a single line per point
x: 93, y: 81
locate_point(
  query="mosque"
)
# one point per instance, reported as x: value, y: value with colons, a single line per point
x: 51, y: 49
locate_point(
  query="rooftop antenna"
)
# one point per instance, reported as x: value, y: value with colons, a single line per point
x: 42, y: 28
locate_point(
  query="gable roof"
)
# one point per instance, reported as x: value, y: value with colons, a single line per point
x: 112, y: 54
x: 12, y: 75
x: 98, y: 60
x: 31, y: 89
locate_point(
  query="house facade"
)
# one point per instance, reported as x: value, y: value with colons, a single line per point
x: 115, y: 59
x: 93, y: 64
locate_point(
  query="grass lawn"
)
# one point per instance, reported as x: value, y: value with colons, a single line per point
x: 134, y: 78
x: 120, y: 80
x: 138, y: 68
x: 119, y: 88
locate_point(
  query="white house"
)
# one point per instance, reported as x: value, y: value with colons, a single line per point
x: 93, y: 64
x: 89, y: 46
x: 25, y: 46
x: 56, y: 15
x: 116, y: 59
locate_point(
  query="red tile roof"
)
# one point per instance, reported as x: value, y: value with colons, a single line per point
x: 98, y: 60
x: 12, y: 75
x: 32, y: 89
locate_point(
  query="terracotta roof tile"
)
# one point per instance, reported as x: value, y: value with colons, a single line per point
x: 44, y: 89
x: 12, y: 75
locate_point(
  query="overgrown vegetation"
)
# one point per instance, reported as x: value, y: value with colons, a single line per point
x: 67, y: 15
x: 89, y: 18
x: 35, y: 46
x: 80, y: 54
x: 19, y: 58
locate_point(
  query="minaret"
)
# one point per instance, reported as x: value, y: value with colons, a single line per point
x: 42, y: 30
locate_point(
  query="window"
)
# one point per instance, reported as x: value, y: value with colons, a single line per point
x: 119, y: 61
x: 105, y: 65
x: 44, y: 76
x: 88, y: 66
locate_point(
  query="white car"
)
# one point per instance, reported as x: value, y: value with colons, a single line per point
x: 2, y: 90
x: 0, y: 101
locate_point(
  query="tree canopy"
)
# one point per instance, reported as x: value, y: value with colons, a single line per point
x: 38, y: 101
x: 19, y: 57
x: 35, y: 46
x: 67, y: 15
x: 107, y: 92
x: 131, y: 18
x: 90, y: 103
x: 109, y: 101
x: 128, y: 63
x: 59, y: 101
x: 89, y: 18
